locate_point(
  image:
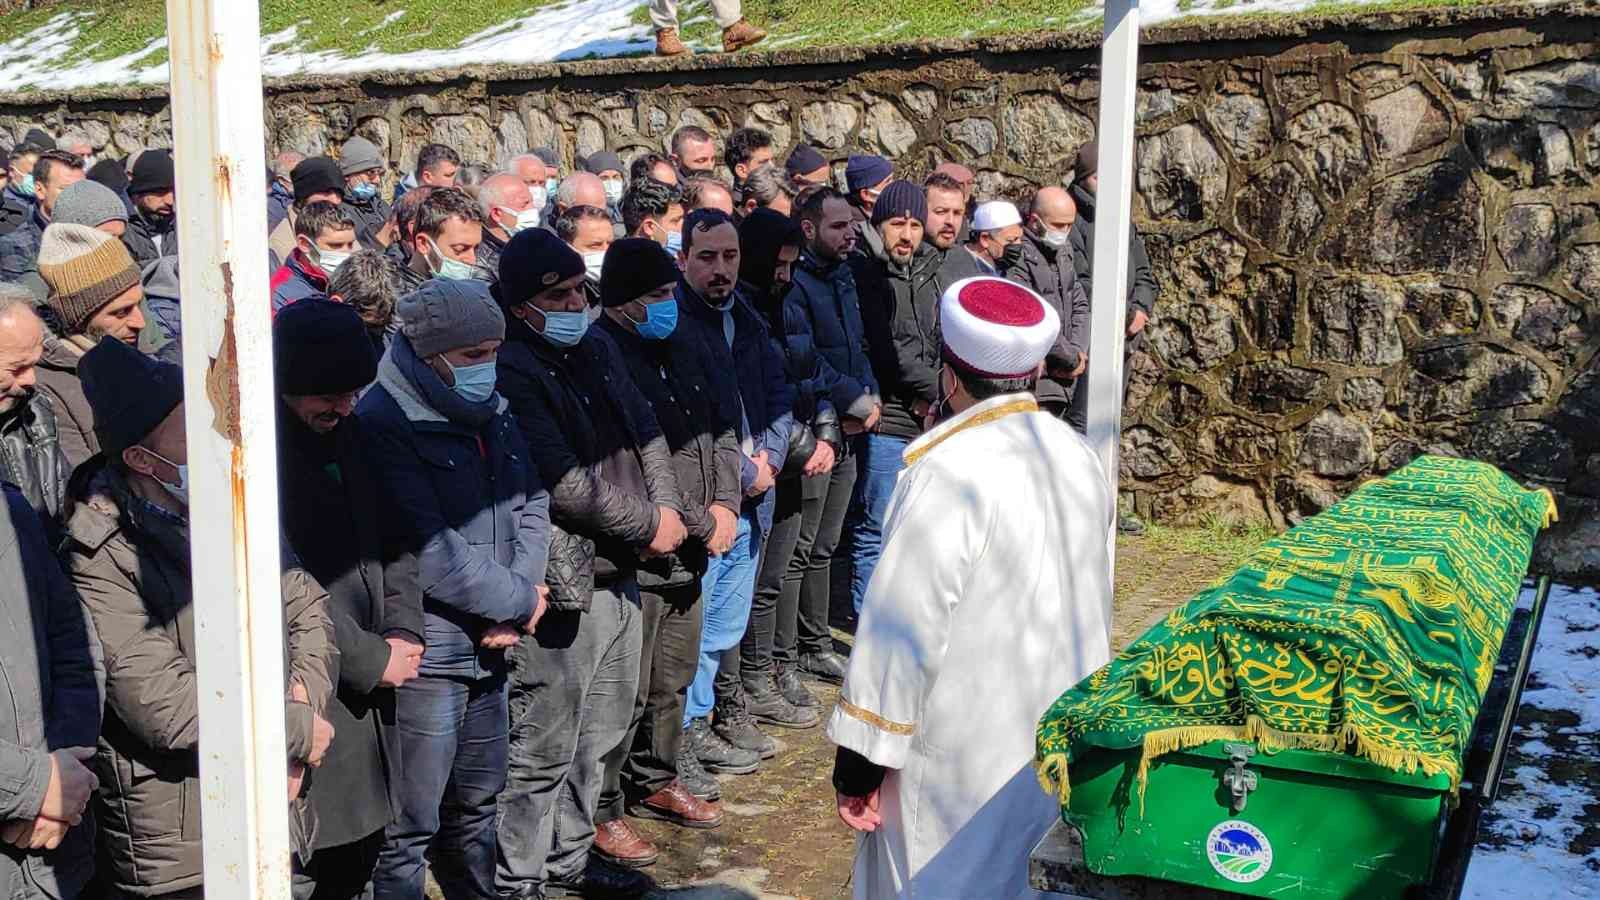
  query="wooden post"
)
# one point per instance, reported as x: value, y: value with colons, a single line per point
x: 229, y: 417
x: 1119, y: 78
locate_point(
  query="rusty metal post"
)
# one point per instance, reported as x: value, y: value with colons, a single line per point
x: 229, y: 408
x: 1119, y: 79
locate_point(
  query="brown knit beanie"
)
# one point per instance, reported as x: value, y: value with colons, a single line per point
x: 85, y: 269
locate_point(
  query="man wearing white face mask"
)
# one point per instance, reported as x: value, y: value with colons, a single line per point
x: 508, y: 208
x: 587, y: 229
x: 324, y: 237
x: 1047, y: 267
x: 445, y: 238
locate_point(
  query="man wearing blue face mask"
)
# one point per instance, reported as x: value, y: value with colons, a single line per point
x: 18, y: 198
x: 460, y: 497
x: 654, y: 209
x: 640, y: 320
x: 444, y: 240
x: 363, y: 166
x: 615, y: 508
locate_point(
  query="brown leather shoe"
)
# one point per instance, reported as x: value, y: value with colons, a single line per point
x: 740, y: 35
x: 616, y: 842
x: 675, y: 804
x: 669, y: 44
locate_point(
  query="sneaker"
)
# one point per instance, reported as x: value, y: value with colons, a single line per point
x: 694, y: 777
x: 617, y: 843
x: 1129, y: 524
x: 768, y: 706
x: 794, y: 690
x: 826, y: 666
x: 669, y: 44
x: 600, y: 879
x: 716, y: 754
x: 737, y: 727
x: 740, y: 35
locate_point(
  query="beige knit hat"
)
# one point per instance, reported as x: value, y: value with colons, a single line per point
x: 85, y: 269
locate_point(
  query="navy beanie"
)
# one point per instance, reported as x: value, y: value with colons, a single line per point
x: 316, y: 175
x: 901, y: 198
x: 533, y: 261
x: 321, y: 347
x: 803, y: 160
x: 862, y: 172
x: 128, y: 392
x: 634, y: 267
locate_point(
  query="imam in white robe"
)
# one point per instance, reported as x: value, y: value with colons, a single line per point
x: 992, y: 597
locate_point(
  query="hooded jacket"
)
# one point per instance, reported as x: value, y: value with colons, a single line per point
x: 1051, y: 273
x: 597, y: 444
x: 459, y: 495
x: 130, y: 565
x: 52, y: 689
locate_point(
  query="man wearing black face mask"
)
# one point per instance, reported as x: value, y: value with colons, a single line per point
x: 996, y: 242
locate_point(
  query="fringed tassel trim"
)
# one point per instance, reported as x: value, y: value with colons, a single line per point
x: 1052, y: 772
x: 1551, y: 516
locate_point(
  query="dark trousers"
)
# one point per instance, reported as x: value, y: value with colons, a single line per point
x: 1077, y: 412
x: 807, y: 582
x: 573, y: 683
x: 343, y: 872
x: 453, y: 744
x: 647, y: 759
x: 755, y: 651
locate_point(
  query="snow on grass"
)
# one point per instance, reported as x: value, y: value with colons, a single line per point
x: 1538, y: 838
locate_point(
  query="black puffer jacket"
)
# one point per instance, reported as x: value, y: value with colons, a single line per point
x: 900, y: 310
x: 31, y: 458
x: 371, y: 215
x: 700, y: 433
x: 823, y: 316
x: 598, y: 447
x: 1050, y: 273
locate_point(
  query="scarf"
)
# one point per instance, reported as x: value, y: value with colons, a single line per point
x: 402, y: 369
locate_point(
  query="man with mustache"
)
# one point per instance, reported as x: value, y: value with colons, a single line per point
x: 153, y: 230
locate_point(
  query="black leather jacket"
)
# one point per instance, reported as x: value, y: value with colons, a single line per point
x: 31, y: 458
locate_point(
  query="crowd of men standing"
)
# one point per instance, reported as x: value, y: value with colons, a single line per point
x: 567, y: 461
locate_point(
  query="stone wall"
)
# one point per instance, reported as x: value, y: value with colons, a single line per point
x: 1375, y: 236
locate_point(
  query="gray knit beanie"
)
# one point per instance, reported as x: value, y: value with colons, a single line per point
x: 359, y: 155
x: 89, y: 203
x: 447, y: 314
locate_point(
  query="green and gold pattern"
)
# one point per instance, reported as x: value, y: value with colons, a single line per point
x: 1372, y: 629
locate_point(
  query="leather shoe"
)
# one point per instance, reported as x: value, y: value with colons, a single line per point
x: 599, y: 879
x: 826, y: 666
x: 740, y: 35
x: 793, y: 690
x: 617, y: 843
x: 669, y: 44
x: 675, y: 804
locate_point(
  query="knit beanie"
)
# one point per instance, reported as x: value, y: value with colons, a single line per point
x: 314, y: 176
x: 901, y: 198
x: 548, y: 155
x: 803, y: 160
x: 634, y: 267
x: 37, y: 140
x: 110, y: 173
x: 1087, y: 163
x: 603, y: 161
x: 152, y: 173
x: 533, y: 261
x: 128, y: 392
x: 88, y: 203
x: 85, y: 269
x: 862, y: 172
x: 359, y: 155
x: 321, y: 347
x: 447, y: 314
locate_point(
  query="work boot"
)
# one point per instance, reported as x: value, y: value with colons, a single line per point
x: 825, y: 666
x: 696, y: 779
x: 716, y: 754
x: 617, y: 843
x: 740, y: 35
x: 768, y: 706
x: 669, y: 44
x: 674, y: 803
x: 600, y: 879
x: 794, y: 690
x: 735, y: 725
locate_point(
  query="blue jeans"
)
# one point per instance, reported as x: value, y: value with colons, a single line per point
x: 453, y: 743
x: 880, y: 466
x: 726, y: 590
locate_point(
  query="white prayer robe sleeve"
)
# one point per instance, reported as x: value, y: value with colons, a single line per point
x: 932, y: 535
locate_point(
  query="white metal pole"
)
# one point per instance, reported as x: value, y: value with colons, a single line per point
x: 233, y: 507
x: 1119, y: 78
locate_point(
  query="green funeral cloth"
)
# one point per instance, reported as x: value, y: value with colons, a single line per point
x: 1372, y: 628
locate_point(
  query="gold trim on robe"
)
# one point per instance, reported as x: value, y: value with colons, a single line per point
x: 875, y: 720
x: 1023, y: 404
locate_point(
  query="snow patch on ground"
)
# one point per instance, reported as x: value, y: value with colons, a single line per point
x: 1533, y: 841
x: 570, y: 30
